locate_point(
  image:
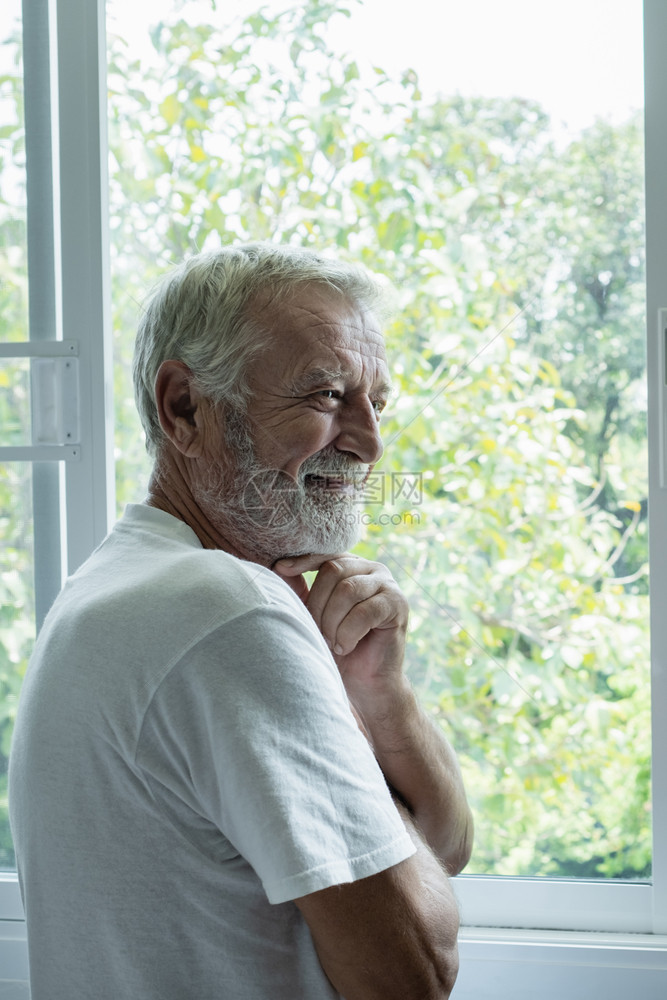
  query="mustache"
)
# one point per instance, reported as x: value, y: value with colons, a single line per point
x: 331, y: 466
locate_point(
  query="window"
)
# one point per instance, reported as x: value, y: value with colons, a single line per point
x: 58, y: 499
x: 512, y: 500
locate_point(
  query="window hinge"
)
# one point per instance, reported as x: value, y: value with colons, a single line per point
x: 55, y: 401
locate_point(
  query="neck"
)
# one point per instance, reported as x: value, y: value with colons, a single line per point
x: 169, y: 490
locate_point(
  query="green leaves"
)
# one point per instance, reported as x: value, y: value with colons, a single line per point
x: 517, y: 348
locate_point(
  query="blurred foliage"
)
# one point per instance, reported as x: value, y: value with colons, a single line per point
x: 514, y: 513
x: 17, y: 614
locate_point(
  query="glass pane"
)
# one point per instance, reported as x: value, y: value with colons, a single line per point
x: 13, y: 247
x: 17, y: 615
x: 502, y: 196
x: 15, y: 416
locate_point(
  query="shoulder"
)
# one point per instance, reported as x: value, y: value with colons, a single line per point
x: 153, y: 554
x: 150, y: 597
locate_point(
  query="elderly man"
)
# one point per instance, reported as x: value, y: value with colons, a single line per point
x: 221, y: 783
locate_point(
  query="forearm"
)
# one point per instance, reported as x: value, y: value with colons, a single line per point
x: 422, y: 768
x: 439, y: 906
x: 363, y: 616
x: 393, y: 935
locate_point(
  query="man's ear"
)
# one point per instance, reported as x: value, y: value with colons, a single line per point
x: 179, y: 407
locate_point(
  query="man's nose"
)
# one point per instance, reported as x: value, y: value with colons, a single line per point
x: 360, y: 433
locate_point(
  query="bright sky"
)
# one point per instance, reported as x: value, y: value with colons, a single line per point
x: 579, y: 58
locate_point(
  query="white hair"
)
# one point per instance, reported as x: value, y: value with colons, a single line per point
x: 201, y: 314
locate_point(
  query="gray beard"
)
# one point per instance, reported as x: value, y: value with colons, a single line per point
x: 271, y: 515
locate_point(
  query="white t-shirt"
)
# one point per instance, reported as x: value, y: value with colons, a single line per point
x: 184, y: 765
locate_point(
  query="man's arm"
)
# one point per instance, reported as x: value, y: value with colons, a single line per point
x: 391, y: 936
x: 422, y: 769
x: 363, y: 615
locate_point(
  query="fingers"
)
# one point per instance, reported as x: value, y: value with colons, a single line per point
x: 377, y: 615
x: 303, y: 564
x: 340, y: 586
x: 351, y: 597
x: 292, y: 570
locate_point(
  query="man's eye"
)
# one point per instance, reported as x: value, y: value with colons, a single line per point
x: 329, y: 393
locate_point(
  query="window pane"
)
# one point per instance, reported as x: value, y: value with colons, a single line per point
x: 512, y: 503
x: 15, y: 416
x: 17, y: 616
x: 13, y: 250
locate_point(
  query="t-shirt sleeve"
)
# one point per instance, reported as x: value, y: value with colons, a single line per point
x: 253, y: 731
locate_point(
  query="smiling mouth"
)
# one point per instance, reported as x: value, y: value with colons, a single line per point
x: 336, y: 484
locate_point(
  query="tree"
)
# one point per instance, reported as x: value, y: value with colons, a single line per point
x: 508, y: 504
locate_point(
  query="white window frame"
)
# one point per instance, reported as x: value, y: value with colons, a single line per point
x: 64, y: 56
x: 64, y: 50
x: 532, y: 937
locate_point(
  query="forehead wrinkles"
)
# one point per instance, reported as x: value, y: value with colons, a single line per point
x: 311, y: 307
x: 327, y: 359
x: 325, y: 332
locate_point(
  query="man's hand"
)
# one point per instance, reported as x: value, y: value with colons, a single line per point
x: 362, y: 614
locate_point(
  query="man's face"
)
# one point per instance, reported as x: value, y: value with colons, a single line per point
x: 303, y: 451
